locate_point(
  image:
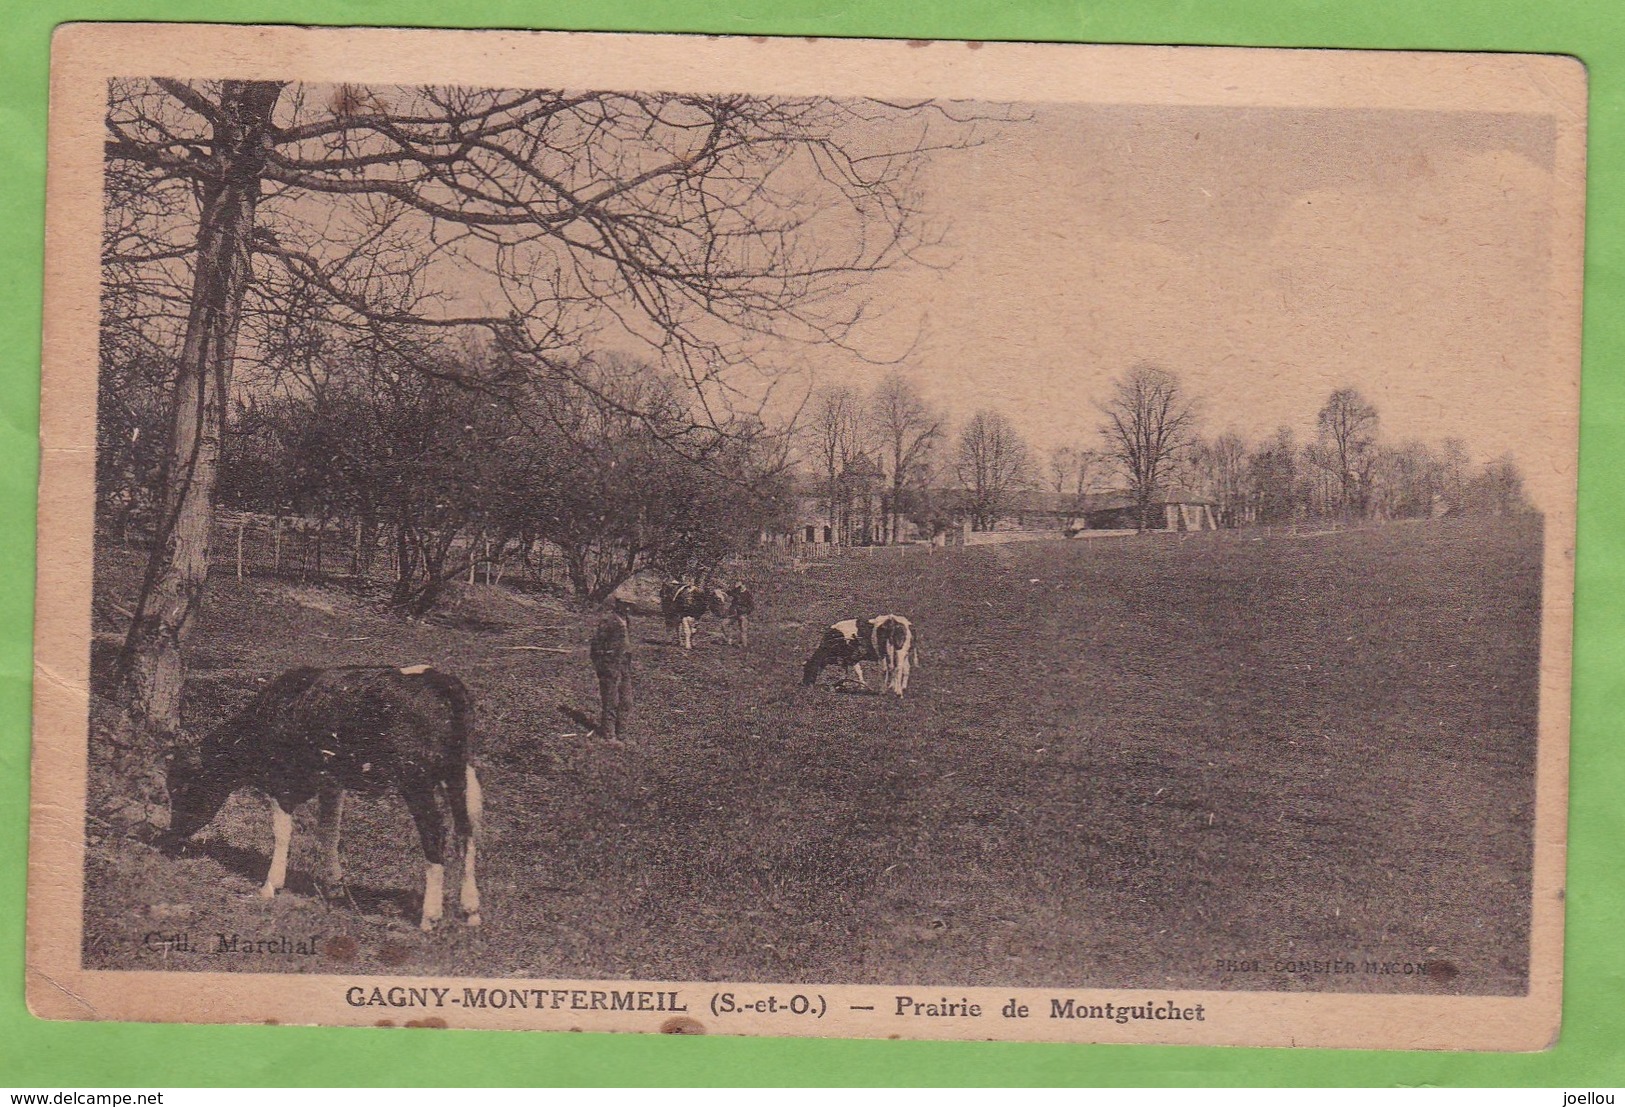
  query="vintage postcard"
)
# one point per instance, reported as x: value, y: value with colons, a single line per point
x: 806, y: 537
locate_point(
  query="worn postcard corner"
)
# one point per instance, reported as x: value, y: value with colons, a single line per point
x: 806, y: 537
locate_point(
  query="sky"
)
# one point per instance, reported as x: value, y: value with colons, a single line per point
x: 1265, y: 255
x: 1268, y: 256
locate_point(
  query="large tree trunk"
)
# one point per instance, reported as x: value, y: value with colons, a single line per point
x: 1142, y: 502
x: 834, y: 521
x: 154, y: 662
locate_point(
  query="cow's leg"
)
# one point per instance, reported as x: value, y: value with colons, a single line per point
x: 419, y: 797
x: 282, y: 834
x: 896, y: 671
x: 744, y: 631
x: 434, y: 895
x: 857, y: 673
x: 474, y: 800
x: 687, y: 632
x: 329, y: 824
x: 814, y: 667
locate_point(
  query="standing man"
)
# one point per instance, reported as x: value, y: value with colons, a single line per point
x: 611, y: 653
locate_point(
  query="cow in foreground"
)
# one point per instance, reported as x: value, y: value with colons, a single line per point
x: 323, y: 732
x: 682, y: 603
x: 611, y: 654
x: 885, y: 639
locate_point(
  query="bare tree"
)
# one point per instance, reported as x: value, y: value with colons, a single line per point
x: 1272, y: 479
x: 1497, y: 489
x: 1405, y: 481
x: 229, y: 149
x: 1454, y: 463
x: 834, y: 427
x: 863, y: 485
x: 682, y: 221
x: 1348, y: 438
x: 622, y: 500
x: 992, y: 463
x: 1072, y: 469
x: 907, y: 429
x: 1221, y: 464
x: 1060, y: 467
x: 1150, y: 424
x: 1319, y: 489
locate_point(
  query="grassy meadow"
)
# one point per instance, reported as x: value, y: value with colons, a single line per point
x: 1121, y: 762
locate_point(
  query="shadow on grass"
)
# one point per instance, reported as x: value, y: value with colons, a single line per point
x: 578, y: 717
x: 251, y: 865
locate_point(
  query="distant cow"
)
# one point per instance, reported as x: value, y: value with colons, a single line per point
x: 886, y: 639
x: 681, y: 603
x: 322, y: 732
x: 611, y: 653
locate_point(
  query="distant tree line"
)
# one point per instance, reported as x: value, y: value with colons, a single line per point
x: 887, y: 457
x: 883, y: 459
x: 1153, y: 445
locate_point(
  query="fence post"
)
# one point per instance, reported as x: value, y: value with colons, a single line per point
x: 276, y: 547
x: 241, y: 523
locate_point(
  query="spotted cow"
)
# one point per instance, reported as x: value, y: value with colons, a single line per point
x: 682, y: 603
x: 888, y: 640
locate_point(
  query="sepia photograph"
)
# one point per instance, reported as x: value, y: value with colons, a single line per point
x: 868, y: 539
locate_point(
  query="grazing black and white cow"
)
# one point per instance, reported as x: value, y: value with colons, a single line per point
x: 323, y: 732
x: 886, y: 639
x: 611, y: 653
x: 682, y: 603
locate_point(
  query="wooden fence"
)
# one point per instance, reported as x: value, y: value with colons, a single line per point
x: 249, y: 546
x: 292, y: 548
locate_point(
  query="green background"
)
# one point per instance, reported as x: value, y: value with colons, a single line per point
x: 1591, y: 1052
